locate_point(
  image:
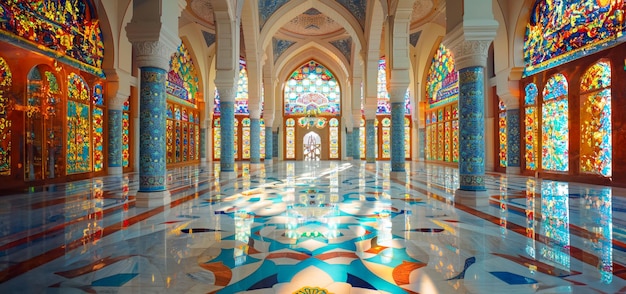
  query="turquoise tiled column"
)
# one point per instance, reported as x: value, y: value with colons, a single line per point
x: 471, y: 129
x: 227, y: 120
x: 349, y: 144
x: 275, y: 144
x: 370, y: 141
x: 513, y: 137
x: 356, y: 143
x: 115, y: 138
x: 152, y: 118
x: 255, y: 140
x: 269, y: 144
x: 397, y: 137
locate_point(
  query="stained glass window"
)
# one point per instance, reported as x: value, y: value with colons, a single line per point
x: 502, y: 133
x: 241, y: 99
x: 407, y: 138
x: 555, y: 222
x: 560, y: 31
x: 78, y: 126
x: 66, y: 30
x: 98, y: 128
x: 217, y: 138
x: 245, y: 138
x: 334, y: 138
x: 312, y: 89
x: 126, y: 134
x: 362, y: 138
x: 531, y: 127
x: 554, y: 125
x: 290, y: 136
x: 442, y: 82
x: 6, y: 80
x: 595, y: 116
x: 182, y: 78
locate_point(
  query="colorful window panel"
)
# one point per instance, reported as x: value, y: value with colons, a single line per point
x: 407, y: 137
x: 554, y: 125
x: 447, y: 141
x: 334, y: 138
x: 312, y: 89
x: 502, y: 133
x: 455, y: 140
x: 245, y: 138
x: 241, y: 98
x: 384, y: 107
x: 442, y: 82
x: 98, y: 128
x: 6, y: 80
x: 362, y: 138
x: 78, y: 126
x: 236, y: 138
x: 185, y: 141
x: 169, y: 139
x: 126, y: 134
x: 560, y: 31
x: 290, y: 136
x: 196, y: 145
x: 72, y: 35
x: 555, y: 222
x: 386, y: 138
x: 595, y: 128
x: 262, y: 148
x: 531, y: 127
x: 178, y: 136
x: 217, y: 139
x: 182, y: 79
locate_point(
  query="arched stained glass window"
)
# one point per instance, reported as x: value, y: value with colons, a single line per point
x: 554, y: 125
x: 560, y: 31
x: 383, y: 100
x: 241, y: 99
x: 595, y: 116
x: 6, y: 80
x: 310, y: 90
x: 531, y: 126
x: 78, y: 126
x: 442, y: 83
x: 182, y: 79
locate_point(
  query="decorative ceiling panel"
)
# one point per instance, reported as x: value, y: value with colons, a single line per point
x: 280, y: 46
x: 267, y: 8
x: 357, y: 8
x: 345, y: 46
x: 312, y: 23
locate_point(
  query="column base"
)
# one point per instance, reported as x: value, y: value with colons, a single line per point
x: 228, y: 175
x: 115, y: 170
x: 398, y: 175
x: 255, y: 161
x: 514, y: 170
x: 471, y: 198
x: 153, y: 199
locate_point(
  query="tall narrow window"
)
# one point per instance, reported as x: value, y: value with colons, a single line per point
x: 290, y: 136
x: 554, y: 125
x: 98, y: 127
x: 6, y: 79
x: 531, y: 126
x: 595, y: 117
x: 126, y: 134
x: 217, y: 139
x: 245, y: 138
x: 334, y: 138
x: 502, y: 133
x: 78, y: 126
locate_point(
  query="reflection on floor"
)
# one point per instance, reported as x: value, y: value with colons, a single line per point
x: 315, y: 227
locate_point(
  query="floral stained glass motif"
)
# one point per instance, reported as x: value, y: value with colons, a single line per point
x: 311, y: 90
x: 217, y: 138
x: 560, y: 31
x: 502, y: 136
x: 383, y: 104
x: 6, y: 80
x: 407, y: 138
x: 442, y: 82
x: 126, y: 134
x: 595, y: 116
x: 554, y: 126
x: 98, y: 139
x: 531, y: 127
x: 68, y: 30
x: 78, y: 126
x: 182, y: 78
x: 290, y: 137
x: 334, y: 138
x: 245, y: 138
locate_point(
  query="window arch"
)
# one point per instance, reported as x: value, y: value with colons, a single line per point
x: 554, y: 125
x: 310, y: 78
x: 78, y: 124
x: 595, y: 113
x: 531, y: 126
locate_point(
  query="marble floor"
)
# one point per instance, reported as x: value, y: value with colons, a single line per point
x: 315, y: 227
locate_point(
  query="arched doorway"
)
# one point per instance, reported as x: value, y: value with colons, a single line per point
x: 312, y: 147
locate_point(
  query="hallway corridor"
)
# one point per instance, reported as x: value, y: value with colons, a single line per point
x: 315, y: 227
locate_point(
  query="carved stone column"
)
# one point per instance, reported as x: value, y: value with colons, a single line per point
x: 227, y: 121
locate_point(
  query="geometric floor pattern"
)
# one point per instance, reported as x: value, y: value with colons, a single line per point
x: 315, y: 227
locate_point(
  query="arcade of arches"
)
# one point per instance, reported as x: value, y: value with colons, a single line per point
x: 93, y: 88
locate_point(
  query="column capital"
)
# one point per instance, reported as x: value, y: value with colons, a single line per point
x: 154, y: 53
x: 397, y: 91
x: 228, y: 92
x: 117, y: 102
x: 470, y: 41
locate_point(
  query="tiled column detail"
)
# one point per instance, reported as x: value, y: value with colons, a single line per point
x: 269, y: 144
x: 370, y: 143
x: 152, y: 163
x: 203, y: 142
x: 349, y: 144
x: 275, y: 145
x: 356, y: 143
x: 513, y: 137
x: 115, y: 138
x: 421, y: 136
x: 397, y: 137
x: 227, y: 120
x: 255, y: 140
x: 471, y: 129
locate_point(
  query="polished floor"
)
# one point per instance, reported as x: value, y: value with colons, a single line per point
x: 315, y: 227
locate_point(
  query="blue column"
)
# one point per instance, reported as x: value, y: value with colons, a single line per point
x: 203, y: 142
x: 275, y: 144
x: 269, y: 144
x: 348, y: 144
x: 513, y: 137
x: 227, y: 120
x: 152, y: 118
x: 115, y: 138
x: 370, y: 141
x: 471, y: 129
x: 397, y: 137
x: 255, y: 140
x: 356, y: 143
x: 421, y: 136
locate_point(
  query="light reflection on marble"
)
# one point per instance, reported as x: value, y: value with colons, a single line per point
x: 314, y: 226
